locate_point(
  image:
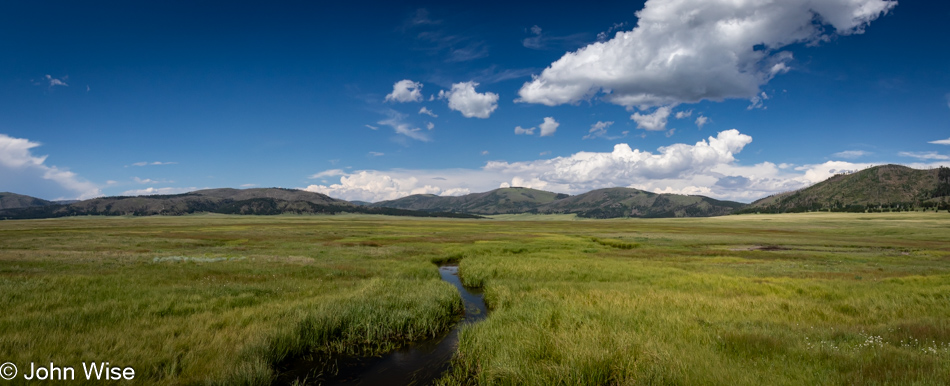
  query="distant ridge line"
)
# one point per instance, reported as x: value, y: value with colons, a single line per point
x: 874, y: 189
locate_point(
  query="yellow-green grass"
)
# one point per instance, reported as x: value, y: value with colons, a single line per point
x: 96, y: 290
x: 785, y: 299
x: 812, y: 298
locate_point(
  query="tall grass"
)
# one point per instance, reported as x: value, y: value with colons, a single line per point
x: 841, y: 302
x: 772, y: 299
x: 248, y: 296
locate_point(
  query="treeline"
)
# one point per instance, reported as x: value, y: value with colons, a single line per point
x: 254, y: 206
x: 808, y: 200
x: 935, y: 206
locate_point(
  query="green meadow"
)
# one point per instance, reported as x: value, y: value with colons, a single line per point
x: 811, y: 298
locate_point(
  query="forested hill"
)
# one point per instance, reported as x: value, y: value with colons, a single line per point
x: 498, y: 201
x: 14, y: 201
x: 268, y: 201
x: 601, y: 203
x: 879, y: 188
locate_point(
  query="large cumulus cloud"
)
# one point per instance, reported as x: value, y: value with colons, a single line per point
x: 625, y: 166
x: 685, y: 51
x: 25, y: 173
x: 464, y: 99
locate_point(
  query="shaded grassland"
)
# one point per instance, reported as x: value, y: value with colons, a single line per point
x: 756, y: 299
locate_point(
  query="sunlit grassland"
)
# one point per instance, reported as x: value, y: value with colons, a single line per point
x: 753, y: 299
x: 787, y: 299
x: 83, y: 290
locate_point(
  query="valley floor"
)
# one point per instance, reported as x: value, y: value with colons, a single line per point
x: 814, y: 298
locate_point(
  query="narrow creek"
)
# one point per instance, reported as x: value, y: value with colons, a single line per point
x: 417, y: 363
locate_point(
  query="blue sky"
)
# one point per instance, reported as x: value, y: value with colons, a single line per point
x: 733, y: 101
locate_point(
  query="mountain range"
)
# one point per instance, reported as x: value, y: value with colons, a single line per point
x: 886, y: 187
x: 601, y: 203
x: 261, y: 201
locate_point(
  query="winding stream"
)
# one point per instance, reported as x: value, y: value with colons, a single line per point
x: 418, y: 363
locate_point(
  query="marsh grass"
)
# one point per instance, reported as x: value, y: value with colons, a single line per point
x: 759, y: 299
x: 172, y: 298
x: 614, y: 243
x: 805, y: 299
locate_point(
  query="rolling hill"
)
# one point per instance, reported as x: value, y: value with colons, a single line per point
x: 14, y: 201
x: 876, y: 188
x: 498, y: 201
x: 886, y: 187
x: 264, y: 201
x: 602, y: 203
x: 627, y: 202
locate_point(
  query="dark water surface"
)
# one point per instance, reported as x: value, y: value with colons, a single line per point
x: 417, y: 363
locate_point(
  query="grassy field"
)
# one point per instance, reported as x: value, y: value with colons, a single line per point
x: 754, y: 299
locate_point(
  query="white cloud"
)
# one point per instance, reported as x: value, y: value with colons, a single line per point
x: 708, y: 167
x: 602, y: 36
x: 464, y: 99
x: 56, y: 82
x: 701, y: 121
x: 430, y: 125
x: 328, y: 173
x: 150, y: 181
x: 758, y: 101
x: 455, y: 192
x: 397, y: 122
x: 405, y: 91
x: 153, y: 191
x: 623, y: 165
x: 548, y: 127
x: 371, y: 127
x: 930, y: 155
x: 685, y: 51
x: 370, y: 185
x: 684, y: 114
x: 522, y: 131
x: 249, y: 185
x: 534, y: 42
x: 21, y: 170
x: 653, y: 122
x: 598, y: 129
x: 428, y: 112
x: 941, y: 142
x: 820, y: 172
x: 851, y: 154
x: 700, y: 190
x: 376, y: 154
x: 155, y: 163
x: 484, y: 152
x: 15, y: 153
